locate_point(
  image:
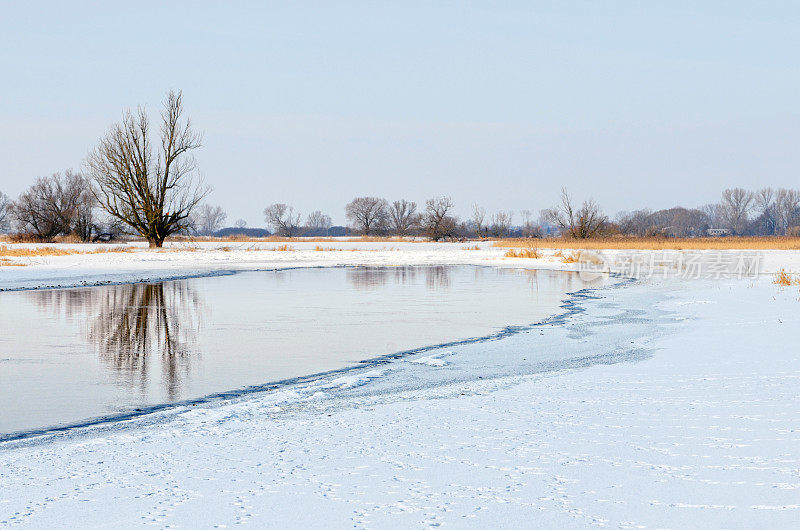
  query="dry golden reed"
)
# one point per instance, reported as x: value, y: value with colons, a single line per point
x: 33, y: 252
x: 572, y: 257
x: 523, y: 253
x: 786, y: 279
x: 645, y: 243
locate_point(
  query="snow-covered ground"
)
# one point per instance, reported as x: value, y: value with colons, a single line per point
x: 654, y: 403
x: 178, y: 260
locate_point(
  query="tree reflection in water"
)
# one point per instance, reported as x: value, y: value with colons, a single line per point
x: 370, y: 278
x: 131, y: 324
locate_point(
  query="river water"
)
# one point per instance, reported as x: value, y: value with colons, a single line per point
x: 70, y: 355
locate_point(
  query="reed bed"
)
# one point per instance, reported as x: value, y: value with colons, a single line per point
x: 34, y: 252
x: 645, y: 243
x: 532, y: 253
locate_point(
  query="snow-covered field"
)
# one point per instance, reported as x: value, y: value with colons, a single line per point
x: 677, y: 406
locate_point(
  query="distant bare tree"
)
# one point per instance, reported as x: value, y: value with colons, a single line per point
x: 501, y: 222
x: 438, y: 222
x: 318, y: 222
x: 153, y: 191
x: 581, y: 223
x: 787, y: 208
x: 764, y: 199
x: 367, y: 214
x: 3, y: 211
x: 714, y: 213
x: 240, y: 223
x: 282, y: 219
x: 635, y: 223
x: 478, y: 218
x: 529, y: 228
x: 83, y: 224
x: 208, y: 219
x: 403, y: 217
x: 55, y: 205
x: 735, y: 209
x: 766, y: 222
x: 686, y: 222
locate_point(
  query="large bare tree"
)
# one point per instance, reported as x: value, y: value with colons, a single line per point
x: 438, y: 221
x: 56, y: 205
x: 580, y: 223
x: 282, y: 219
x: 150, y: 184
x: 367, y: 214
x: 403, y: 217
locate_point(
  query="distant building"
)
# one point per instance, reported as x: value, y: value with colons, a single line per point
x: 718, y: 232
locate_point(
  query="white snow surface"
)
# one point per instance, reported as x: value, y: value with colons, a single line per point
x: 179, y: 260
x: 678, y: 406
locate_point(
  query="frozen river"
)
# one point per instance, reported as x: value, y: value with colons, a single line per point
x: 69, y: 355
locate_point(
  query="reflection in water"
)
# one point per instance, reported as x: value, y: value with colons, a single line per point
x: 369, y: 278
x: 438, y: 278
x: 131, y: 324
x: 99, y: 350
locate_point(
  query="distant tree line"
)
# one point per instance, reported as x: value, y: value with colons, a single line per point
x: 66, y: 204
x: 740, y: 212
x: 142, y: 181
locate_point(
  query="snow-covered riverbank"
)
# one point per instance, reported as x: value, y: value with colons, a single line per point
x: 680, y: 409
x: 102, y: 264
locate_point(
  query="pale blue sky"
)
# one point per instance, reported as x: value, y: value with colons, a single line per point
x: 311, y: 103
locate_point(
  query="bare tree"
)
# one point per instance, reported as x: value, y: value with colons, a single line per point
x: 282, y: 219
x: 367, y: 214
x: 635, y: 223
x: 152, y: 190
x: 403, y: 217
x: 501, y: 222
x: 529, y: 228
x: 764, y: 199
x: 787, y: 208
x: 318, y: 222
x: 714, y: 213
x: 240, y: 223
x: 735, y: 209
x: 478, y: 217
x: 208, y: 219
x: 55, y: 205
x: 83, y: 224
x: 581, y: 223
x: 438, y: 222
x: 766, y: 222
x: 3, y: 211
